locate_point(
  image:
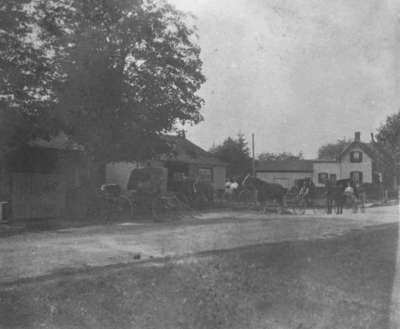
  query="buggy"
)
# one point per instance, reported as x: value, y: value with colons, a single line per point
x: 147, y: 188
x: 145, y: 195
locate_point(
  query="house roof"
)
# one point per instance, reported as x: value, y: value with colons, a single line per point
x: 285, y: 166
x: 363, y: 146
x: 185, y: 151
x: 374, y: 150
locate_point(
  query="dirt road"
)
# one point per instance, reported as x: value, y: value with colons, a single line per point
x: 38, y: 254
x: 350, y: 281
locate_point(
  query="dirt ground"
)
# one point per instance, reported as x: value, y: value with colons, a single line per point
x: 30, y: 255
x: 219, y: 270
x: 340, y: 282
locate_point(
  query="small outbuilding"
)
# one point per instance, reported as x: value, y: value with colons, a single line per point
x: 185, y: 159
x: 46, y: 179
x: 284, y: 172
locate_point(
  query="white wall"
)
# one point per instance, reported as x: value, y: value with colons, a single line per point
x: 325, y: 167
x: 346, y: 166
x: 219, y: 176
x: 118, y: 173
x: 286, y: 179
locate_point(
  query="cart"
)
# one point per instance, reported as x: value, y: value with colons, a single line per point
x: 147, y: 189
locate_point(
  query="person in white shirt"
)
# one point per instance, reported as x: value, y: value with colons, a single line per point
x: 228, y: 185
x: 234, y: 188
x: 349, y: 190
x: 234, y: 185
x: 349, y: 194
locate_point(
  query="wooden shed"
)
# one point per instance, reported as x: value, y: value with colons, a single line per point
x: 38, y: 181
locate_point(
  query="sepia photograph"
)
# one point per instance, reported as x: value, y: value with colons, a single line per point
x: 199, y: 164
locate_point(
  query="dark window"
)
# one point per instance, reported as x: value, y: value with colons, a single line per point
x: 206, y: 174
x: 356, y: 156
x: 322, y: 177
x: 356, y: 177
x: 332, y: 178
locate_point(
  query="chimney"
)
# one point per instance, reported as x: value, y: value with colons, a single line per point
x: 357, y: 136
x: 372, y: 138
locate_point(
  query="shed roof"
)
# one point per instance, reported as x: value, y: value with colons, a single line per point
x: 285, y: 166
x: 185, y: 151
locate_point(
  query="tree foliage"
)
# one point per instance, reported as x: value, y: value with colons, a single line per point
x: 331, y: 151
x: 123, y: 72
x: 236, y: 153
x: 266, y: 156
x: 389, y: 136
x: 25, y: 78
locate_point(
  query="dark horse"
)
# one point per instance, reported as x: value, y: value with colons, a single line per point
x: 265, y: 191
x: 193, y: 192
x: 335, y: 196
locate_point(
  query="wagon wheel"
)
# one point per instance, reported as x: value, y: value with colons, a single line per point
x: 182, y: 206
x: 166, y: 208
x: 246, y: 196
x: 299, y: 210
x: 157, y: 209
x: 318, y: 210
x: 122, y: 209
x: 180, y: 209
x: 200, y: 201
x: 299, y: 207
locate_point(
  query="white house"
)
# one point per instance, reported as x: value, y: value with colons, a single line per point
x: 360, y: 162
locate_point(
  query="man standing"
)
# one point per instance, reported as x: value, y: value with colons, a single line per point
x: 361, y: 197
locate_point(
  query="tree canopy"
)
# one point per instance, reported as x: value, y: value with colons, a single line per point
x: 389, y: 136
x: 280, y: 156
x: 123, y: 72
x: 25, y: 78
x: 331, y: 151
x: 236, y: 153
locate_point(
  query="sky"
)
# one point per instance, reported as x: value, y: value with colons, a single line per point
x: 296, y: 73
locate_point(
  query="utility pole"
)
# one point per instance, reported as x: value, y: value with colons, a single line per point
x: 255, y: 192
x: 253, y: 155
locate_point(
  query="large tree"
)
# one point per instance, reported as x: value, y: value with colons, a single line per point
x: 331, y: 151
x: 25, y: 78
x: 389, y: 136
x: 123, y: 72
x: 280, y: 156
x: 235, y: 152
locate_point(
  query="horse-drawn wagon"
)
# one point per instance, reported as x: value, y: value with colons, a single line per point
x: 146, y: 195
x: 254, y: 192
x: 275, y: 198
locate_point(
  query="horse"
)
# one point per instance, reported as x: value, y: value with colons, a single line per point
x: 265, y: 191
x: 335, y: 196
x: 193, y: 192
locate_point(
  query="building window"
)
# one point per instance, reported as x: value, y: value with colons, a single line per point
x: 323, y: 177
x: 205, y: 174
x: 356, y: 177
x: 332, y: 178
x: 356, y: 156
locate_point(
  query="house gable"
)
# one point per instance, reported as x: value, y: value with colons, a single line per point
x: 366, y: 153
